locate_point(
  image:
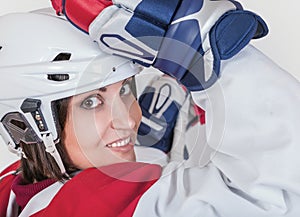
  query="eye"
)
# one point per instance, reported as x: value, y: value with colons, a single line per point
x: 125, y: 89
x: 92, y: 102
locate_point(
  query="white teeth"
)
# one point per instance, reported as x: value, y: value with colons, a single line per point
x: 120, y: 143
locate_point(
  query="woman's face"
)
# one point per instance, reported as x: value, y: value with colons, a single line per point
x: 101, y: 126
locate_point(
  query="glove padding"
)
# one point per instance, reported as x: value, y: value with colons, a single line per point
x: 184, y: 39
x: 160, y: 102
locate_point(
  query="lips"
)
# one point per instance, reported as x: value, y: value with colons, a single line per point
x: 120, y: 143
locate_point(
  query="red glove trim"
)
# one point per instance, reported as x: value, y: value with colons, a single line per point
x: 80, y: 13
x: 58, y: 6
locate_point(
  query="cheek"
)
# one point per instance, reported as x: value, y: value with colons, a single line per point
x: 83, y: 135
x: 89, y: 128
x: 135, y: 113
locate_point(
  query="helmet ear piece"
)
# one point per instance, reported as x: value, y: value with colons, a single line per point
x: 19, y: 129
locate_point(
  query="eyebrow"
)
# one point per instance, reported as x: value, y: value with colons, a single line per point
x: 102, y: 89
x: 125, y: 80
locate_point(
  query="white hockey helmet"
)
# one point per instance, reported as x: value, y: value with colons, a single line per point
x: 43, y: 58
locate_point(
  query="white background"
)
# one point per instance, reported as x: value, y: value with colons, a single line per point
x: 281, y: 45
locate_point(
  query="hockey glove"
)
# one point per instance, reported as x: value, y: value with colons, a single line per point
x: 186, y: 39
x: 160, y: 102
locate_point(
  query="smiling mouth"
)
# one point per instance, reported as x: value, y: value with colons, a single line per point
x: 120, y: 143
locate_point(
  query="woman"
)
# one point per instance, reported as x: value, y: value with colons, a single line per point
x: 77, y: 102
x: 74, y: 108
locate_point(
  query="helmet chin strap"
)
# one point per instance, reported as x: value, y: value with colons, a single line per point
x: 51, y: 149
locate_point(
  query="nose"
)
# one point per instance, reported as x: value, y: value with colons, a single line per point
x: 122, y: 118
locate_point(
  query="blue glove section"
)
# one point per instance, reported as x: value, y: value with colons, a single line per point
x: 233, y: 32
x: 188, y: 7
x: 181, y: 53
x: 151, y: 18
x: 160, y: 108
x: 179, y: 44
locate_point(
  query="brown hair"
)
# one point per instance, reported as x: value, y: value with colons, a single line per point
x: 39, y: 164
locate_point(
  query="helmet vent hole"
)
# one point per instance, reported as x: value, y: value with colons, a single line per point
x: 21, y: 125
x: 0, y: 47
x: 58, y: 77
x: 62, y: 57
